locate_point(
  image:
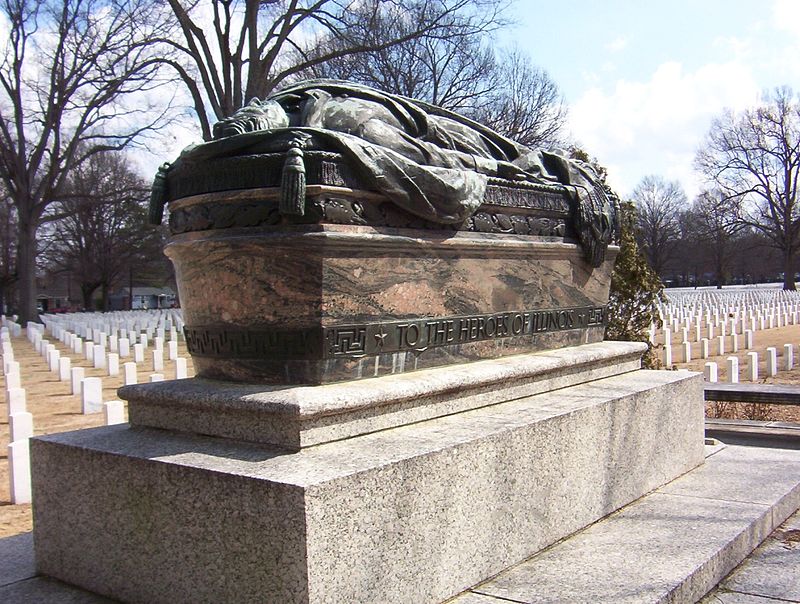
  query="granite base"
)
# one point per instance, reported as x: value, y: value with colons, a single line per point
x: 416, y: 513
x: 294, y: 418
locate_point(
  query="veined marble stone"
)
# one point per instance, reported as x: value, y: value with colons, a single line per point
x: 325, y: 303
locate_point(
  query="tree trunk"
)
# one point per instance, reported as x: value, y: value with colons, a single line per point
x: 87, y: 289
x: 26, y: 267
x: 788, y: 270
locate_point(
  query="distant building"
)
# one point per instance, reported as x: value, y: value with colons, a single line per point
x: 144, y: 298
x: 54, y: 294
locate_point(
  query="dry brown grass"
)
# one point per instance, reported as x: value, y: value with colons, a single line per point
x: 761, y: 341
x: 54, y: 409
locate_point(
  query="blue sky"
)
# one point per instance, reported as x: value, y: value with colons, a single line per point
x: 643, y: 80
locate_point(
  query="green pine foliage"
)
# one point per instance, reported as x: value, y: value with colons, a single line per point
x: 635, y: 290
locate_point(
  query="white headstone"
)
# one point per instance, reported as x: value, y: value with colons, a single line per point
x: 113, y: 363
x: 138, y: 353
x: 19, y: 471
x: 15, y: 401
x: 20, y: 425
x: 64, y: 366
x: 788, y: 357
x: 143, y: 340
x: 687, y: 352
x: 752, y: 366
x: 157, y: 377
x: 76, y: 380
x: 772, y: 361
x: 53, y: 358
x: 130, y: 374
x: 114, y: 412
x: 88, y: 351
x: 92, y: 395
x: 180, y: 369
x: 124, y: 347
x: 158, y: 342
x: 710, y: 371
x: 733, y: 370
x: 113, y: 343
x: 158, y: 360
x: 13, y: 379
x: 99, y: 357
x: 172, y: 347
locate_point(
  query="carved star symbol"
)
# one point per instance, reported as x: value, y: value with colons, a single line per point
x: 380, y: 337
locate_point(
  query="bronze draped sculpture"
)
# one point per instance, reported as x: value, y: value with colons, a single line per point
x: 429, y: 161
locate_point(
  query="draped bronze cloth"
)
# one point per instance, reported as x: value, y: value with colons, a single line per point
x: 429, y: 161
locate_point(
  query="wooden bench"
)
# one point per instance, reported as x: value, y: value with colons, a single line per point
x: 754, y: 433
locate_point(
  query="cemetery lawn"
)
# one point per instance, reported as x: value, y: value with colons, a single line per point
x: 54, y: 409
x: 762, y: 339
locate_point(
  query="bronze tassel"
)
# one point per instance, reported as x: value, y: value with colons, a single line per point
x: 293, y: 183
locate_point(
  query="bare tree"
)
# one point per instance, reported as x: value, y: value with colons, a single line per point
x: 716, y: 224
x: 754, y: 157
x: 251, y: 47
x: 8, y: 249
x: 103, y: 230
x: 65, y: 70
x: 505, y: 91
x: 455, y: 72
x: 524, y: 104
x: 658, y: 204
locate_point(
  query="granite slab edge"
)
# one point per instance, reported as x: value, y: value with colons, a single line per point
x: 329, y: 399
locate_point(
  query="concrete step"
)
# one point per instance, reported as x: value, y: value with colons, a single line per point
x: 673, y: 545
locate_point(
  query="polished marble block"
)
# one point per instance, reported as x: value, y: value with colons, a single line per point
x: 310, y: 304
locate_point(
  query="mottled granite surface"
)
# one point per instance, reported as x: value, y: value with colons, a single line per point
x: 302, y: 416
x: 416, y: 513
x: 677, y: 543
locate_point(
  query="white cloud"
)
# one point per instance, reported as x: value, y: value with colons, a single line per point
x: 786, y: 16
x: 656, y: 126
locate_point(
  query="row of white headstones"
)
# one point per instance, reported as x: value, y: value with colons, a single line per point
x: 721, y: 317
x: 124, y: 334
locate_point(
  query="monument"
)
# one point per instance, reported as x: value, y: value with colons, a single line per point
x: 397, y: 317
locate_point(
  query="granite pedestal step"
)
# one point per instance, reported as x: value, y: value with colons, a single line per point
x: 677, y: 543
x: 673, y: 545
